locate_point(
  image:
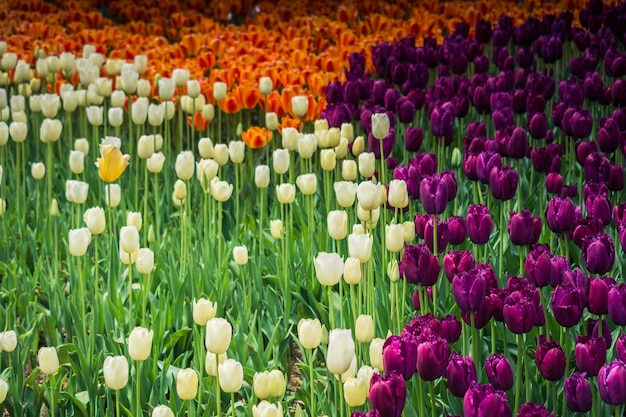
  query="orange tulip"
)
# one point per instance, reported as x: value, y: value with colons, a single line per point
x: 256, y: 137
x: 197, y: 122
x: 112, y: 164
x: 288, y: 122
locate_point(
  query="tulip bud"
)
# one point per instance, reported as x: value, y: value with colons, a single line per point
x: 280, y: 161
x: 129, y: 239
x: 180, y: 190
x: 203, y: 311
x: 261, y: 385
x: 265, y: 85
x: 8, y: 341
x: 185, y: 165
x: 395, y: 238
x: 340, y: 351
x: 358, y: 146
x: 307, y: 145
x: 115, y: 371
x: 352, y: 271
x: 38, y: 170
x: 167, y: 87
x: 221, y: 190
x: 145, y: 146
x: 205, y: 147
x: 116, y: 116
x: 328, y: 268
x: 307, y: 183
x: 271, y: 121
x: 309, y: 333
x: 262, y: 176
x: 380, y: 125
x: 187, y: 384
x: 277, y: 384
x: 48, y: 360
x: 18, y: 131
x: 236, y: 151
x: 286, y: 193
x: 364, y: 328
x: 368, y: 195
x: 113, y: 195
x: 145, y: 261
x: 162, y: 411
x: 230, y: 375
x: 220, y: 154
x: 54, y: 208
x: 276, y: 228
x: 360, y: 246
x: 95, y: 220
x: 78, y: 240
x: 134, y: 219
x: 345, y: 192
x: 299, y: 105
x: 290, y: 138
x: 367, y: 164
x: 328, y: 159
x: 218, y: 335
x: 219, y: 90
x: 155, y: 162
x: 140, y: 343
x: 355, y: 392
x: 240, y: 254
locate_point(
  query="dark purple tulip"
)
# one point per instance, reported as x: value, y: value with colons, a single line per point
x: 434, y: 194
x: 441, y: 121
x: 616, y: 178
x: 337, y: 114
x: 420, y: 224
x: 455, y: 262
x: 400, y: 356
x: 619, y: 214
x: 451, y: 328
x: 457, y: 232
x: 519, y: 312
x: 622, y: 236
x: 433, y: 353
x: 568, y: 304
x: 423, y: 325
x: 450, y: 179
x: 534, y: 410
x: 418, y: 264
x: 469, y: 289
x: 405, y: 110
x: 483, y: 31
x: 597, y: 168
x: 612, y: 383
x: 617, y: 304
x: 479, y: 223
x: 593, y: 329
x: 608, y: 136
x: 499, y: 372
x: 599, y: 295
x: 554, y: 183
x: 370, y: 413
x: 598, y: 204
x: 469, y: 167
x: 538, y: 266
x: 577, y: 278
x: 590, y: 354
x: 483, y: 400
x: 334, y: 93
x: 481, y: 64
x: 578, y: 393
x: 519, y: 101
x: 503, y: 118
x: 550, y: 359
x: 584, y: 149
x: 541, y: 159
x: 481, y: 317
x: 413, y: 139
x: 524, y: 229
x: 560, y: 264
x: 560, y: 214
x: 620, y: 348
x: 442, y: 235
x: 425, y: 163
x: 517, y: 145
x: 581, y: 124
x: 583, y: 228
x: 391, y: 99
x: 598, y: 253
x: 503, y: 182
x: 388, y: 394
x: 460, y: 374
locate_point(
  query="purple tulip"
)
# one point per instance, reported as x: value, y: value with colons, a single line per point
x: 442, y: 235
x: 451, y: 328
x: 441, y: 120
x: 524, y: 229
x: 457, y: 232
x: 597, y: 168
x: 413, y: 138
x: 598, y: 253
x: 433, y: 353
x: 388, y: 394
x: 581, y: 228
x: 519, y: 312
x: 419, y: 265
x: 584, y: 149
x: 373, y: 144
x: 550, y: 359
x: 479, y: 223
x: 622, y: 236
x: 560, y: 264
x: 619, y: 214
x: 599, y: 295
x: 593, y: 329
x: 460, y: 374
x: 538, y: 266
x: 423, y: 325
x: 370, y: 413
x: 400, y: 356
x: 420, y: 221
x: 598, y: 207
x: 616, y: 178
x: 485, y: 401
x: 469, y: 290
x: 554, y: 183
x: 578, y: 393
x: 560, y: 214
x: 499, y: 372
x: 434, y: 194
x: 617, y: 304
x: 534, y: 410
x: 568, y: 304
x: 503, y: 182
x: 590, y: 354
x: 517, y: 145
x: 455, y: 262
x: 485, y: 162
x: 612, y: 383
x: 425, y: 163
x: 620, y: 348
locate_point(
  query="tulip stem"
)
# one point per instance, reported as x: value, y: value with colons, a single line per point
x: 477, y: 341
x: 433, y: 403
x: 312, y: 381
x: 420, y: 389
x: 331, y: 310
x: 51, y: 386
x: 130, y: 293
x: 232, y: 404
x: 518, y: 370
x: 218, y: 401
x: 138, y: 369
x: 117, y: 403
x: 501, y: 247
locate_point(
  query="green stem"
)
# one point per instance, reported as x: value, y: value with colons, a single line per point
x: 331, y: 310
x: 476, y: 342
x: 312, y: 383
x: 433, y: 403
x: 117, y: 403
x: 501, y: 246
x: 232, y: 404
x: 130, y: 294
x: 138, y: 368
x: 218, y: 400
x: 518, y: 371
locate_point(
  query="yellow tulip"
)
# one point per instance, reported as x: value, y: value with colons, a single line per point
x: 112, y: 164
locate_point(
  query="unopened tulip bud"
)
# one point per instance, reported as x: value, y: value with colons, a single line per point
x: 265, y: 85
x: 48, y: 360
x: 271, y: 121
x: 218, y: 335
x: 134, y: 219
x: 79, y: 240
x: 276, y: 228
x: 309, y: 333
x: 145, y: 261
x: 187, y: 384
x: 345, y: 192
x: 219, y: 90
x: 129, y: 239
x: 367, y: 164
x: 82, y: 145
x: 116, y: 116
x: 358, y: 146
x: 95, y: 220
x: 203, y: 311
x: 166, y: 88
x: 140, y: 343
x: 193, y: 88
x: 240, y: 254
x: 307, y: 145
x: 162, y: 411
x: 262, y: 176
x: 286, y: 193
x: 185, y: 165
x: 352, y: 271
x: 208, y: 112
x: 380, y: 125
x: 280, y: 161
x: 277, y: 384
x: 348, y: 170
x: 299, y: 105
x: 236, y: 151
x: 230, y: 375
x: 8, y: 340
x: 38, y: 170
x: 395, y: 238
x: 155, y: 162
x: 205, y: 147
x: 328, y: 159
x: 307, y: 183
x: 180, y: 190
x: 393, y: 271
x: 290, y: 138
x: 77, y: 162
x: 115, y: 371
x: 364, y: 328
x: 220, y: 153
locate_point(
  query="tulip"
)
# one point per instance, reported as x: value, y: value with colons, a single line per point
x: 230, y: 375
x: 76, y: 191
x: 260, y: 384
x: 366, y: 163
x: 210, y: 362
x: 115, y: 371
x: 140, y: 343
x: 533, y: 410
x: 309, y: 333
x: 355, y: 392
x: 460, y: 374
x: 221, y: 190
x: 162, y: 411
x: 345, y: 193
x: 560, y: 214
x: 218, y: 335
x: 455, y: 262
x: 307, y: 183
x: 78, y: 240
x: 503, y: 182
x: 266, y: 409
x: 387, y: 395
x: 457, y: 231
x: 299, y: 105
x: 617, y: 304
x: 112, y: 163
x: 578, y: 393
x: 368, y: 195
x: 419, y: 265
x: 597, y: 302
x: 337, y: 222
x: 187, y: 384
x: 398, y: 195
x: 612, y: 383
x: 519, y: 312
x: 328, y: 268
x: 276, y: 228
x: 598, y: 253
x: 469, y: 290
x: 203, y: 311
x: 95, y: 220
x: 380, y: 125
x: 499, y: 372
x: 484, y: 400
x: 568, y: 303
x: 524, y: 229
x: 240, y: 255
x: 4, y: 389
x: 340, y: 351
x: 590, y: 354
x: 479, y: 223
x: 364, y: 328
x: 434, y: 194
x: 432, y: 356
x: 38, y: 170
x: 48, y: 360
x: 360, y: 246
x: 307, y: 146
x: 550, y: 359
